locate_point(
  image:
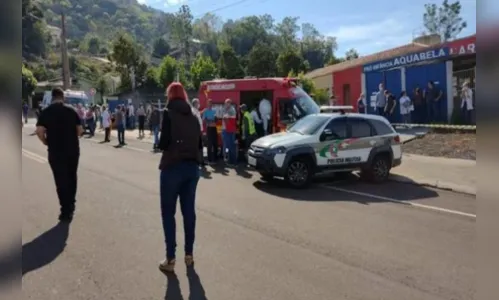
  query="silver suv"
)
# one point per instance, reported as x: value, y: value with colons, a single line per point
x: 336, y: 142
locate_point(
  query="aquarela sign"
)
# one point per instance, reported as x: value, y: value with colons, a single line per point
x: 408, y: 59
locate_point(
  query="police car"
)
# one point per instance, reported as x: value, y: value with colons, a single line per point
x: 336, y: 142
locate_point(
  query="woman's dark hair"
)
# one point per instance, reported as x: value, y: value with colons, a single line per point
x: 402, y: 94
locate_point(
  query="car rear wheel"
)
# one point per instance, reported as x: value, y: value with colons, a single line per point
x: 379, y: 170
x: 299, y: 172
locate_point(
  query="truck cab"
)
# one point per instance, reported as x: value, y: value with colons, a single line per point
x: 288, y: 100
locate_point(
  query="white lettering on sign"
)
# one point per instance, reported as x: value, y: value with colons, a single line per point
x: 407, y: 59
x: 463, y: 49
x: 221, y: 87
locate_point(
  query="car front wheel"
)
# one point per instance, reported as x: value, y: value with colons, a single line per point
x: 299, y: 173
x: 379, y: 170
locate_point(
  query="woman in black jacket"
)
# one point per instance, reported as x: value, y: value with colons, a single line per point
x: 180, y: 173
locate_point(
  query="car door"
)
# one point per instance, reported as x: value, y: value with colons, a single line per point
x: 361, y: 139
x: 327, y: 151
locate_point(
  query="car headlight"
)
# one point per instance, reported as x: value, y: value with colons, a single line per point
x: 277, y: 150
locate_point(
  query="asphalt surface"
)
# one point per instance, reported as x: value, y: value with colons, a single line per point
x: 255, y: 240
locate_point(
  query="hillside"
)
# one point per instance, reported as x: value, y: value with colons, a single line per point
x: 106, y: 18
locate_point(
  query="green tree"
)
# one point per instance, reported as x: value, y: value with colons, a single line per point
x: 229, y: 66
x: 151, y: 81
x: 288, y: 31
x: 351, y: 54
x: 28, y: 82
x: 445, y: 20
x: 93, y: 45
x: 290, y: 61
x: 34, y: 30
x: 168, y: 71
x: 126, y: 55
x: 161, y: 48
x: 102, y: 87
x: 261, y: 61
x: 182, y: 31
x: 202, y: 69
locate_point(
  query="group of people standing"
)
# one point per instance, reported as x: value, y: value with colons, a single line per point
x: 424, y: 106
x: 254, y: 124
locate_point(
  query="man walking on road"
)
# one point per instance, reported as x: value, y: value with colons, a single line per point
x: 120, y: 125
x: 59, y: 128
x: 181, y: 144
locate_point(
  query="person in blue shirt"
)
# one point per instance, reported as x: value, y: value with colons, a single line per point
x: 209, y: 117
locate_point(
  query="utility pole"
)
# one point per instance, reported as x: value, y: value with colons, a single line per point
x: 66, y: 76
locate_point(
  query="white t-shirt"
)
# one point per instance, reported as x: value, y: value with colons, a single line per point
x: 405, y: 105
x: 106, y: 120
x: 467, y: 98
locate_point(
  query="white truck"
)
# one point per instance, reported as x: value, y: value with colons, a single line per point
x: 71, y: 98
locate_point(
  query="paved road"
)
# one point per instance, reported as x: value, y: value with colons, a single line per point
x: 341, y: 240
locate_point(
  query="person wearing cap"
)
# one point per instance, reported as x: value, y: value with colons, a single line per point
x: 248, y: 128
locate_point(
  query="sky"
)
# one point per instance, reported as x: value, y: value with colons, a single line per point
x: 365, y: 25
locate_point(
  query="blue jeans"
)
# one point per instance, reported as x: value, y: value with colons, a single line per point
x: 179, y: 181
x: 155, y: 129
x: 229, y: 141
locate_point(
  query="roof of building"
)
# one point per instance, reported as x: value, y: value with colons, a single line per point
x: 402, y: 50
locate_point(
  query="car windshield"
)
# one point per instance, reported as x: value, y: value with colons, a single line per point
x: 304, y: 104
x: 309, y: 124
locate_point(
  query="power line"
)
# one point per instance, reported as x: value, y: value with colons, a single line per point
x: 223, y: 7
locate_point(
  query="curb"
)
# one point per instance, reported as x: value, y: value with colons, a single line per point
x: 442, y: 185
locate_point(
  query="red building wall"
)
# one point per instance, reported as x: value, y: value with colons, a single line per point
x: 347, y: 86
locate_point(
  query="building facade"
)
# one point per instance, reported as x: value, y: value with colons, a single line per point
x: 405, y: 68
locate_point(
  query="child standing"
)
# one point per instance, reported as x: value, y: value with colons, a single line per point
x: 405, y: 108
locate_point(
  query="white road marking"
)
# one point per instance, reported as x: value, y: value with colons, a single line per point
x: 34, y: 156
x: 388, y: 199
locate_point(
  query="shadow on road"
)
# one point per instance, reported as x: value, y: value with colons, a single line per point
x: 389, y: 190
x: 242, y: 171
x: 45, y: 248
x: 173, y: 291
x: 196, y: 289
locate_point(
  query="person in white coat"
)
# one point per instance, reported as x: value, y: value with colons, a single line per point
x: 258, y: 121
x: 265, y: 108
x: 106, y: 124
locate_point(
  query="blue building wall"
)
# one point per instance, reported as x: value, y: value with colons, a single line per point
x: 406, y: 73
